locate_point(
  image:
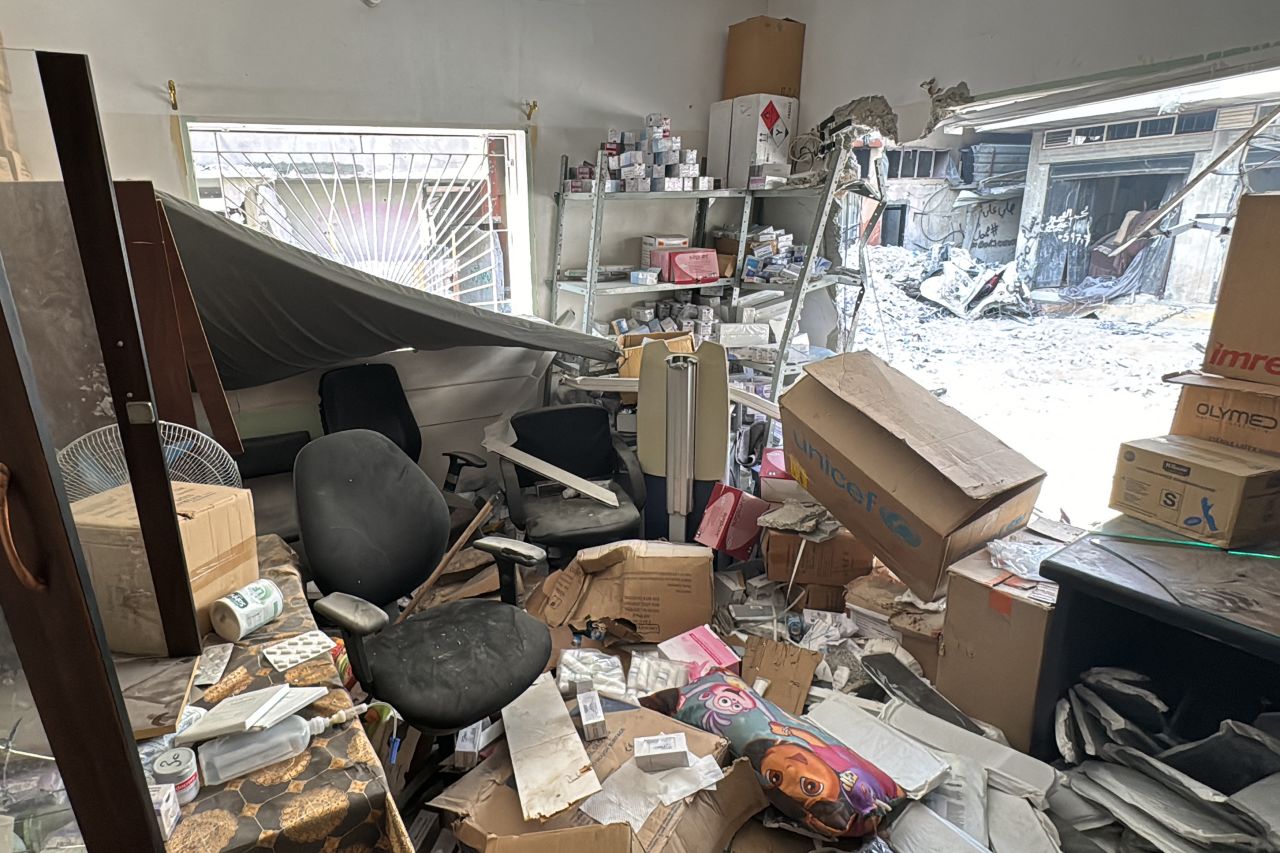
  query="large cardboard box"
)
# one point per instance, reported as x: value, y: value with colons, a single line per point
x: 832, y: 563
x: 1243, y: 343
x: 764, y: 55
x: 484, y: 806
x: 218, y: 538
x: 637, y: 591
x: 1229, y: 411
x: 993, y: 642
x: 776, y: 483
x: 753, y: 130
x: 914, y: 480
x: 1222, y: 495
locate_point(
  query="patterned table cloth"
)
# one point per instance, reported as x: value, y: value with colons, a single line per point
x: 331, y: 798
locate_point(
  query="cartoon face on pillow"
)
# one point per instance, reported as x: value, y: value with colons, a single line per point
x: 808, y: 775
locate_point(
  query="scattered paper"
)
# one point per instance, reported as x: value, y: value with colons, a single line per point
x: 630, y: 794
x: 919, y: 830
x: 213, y: 663
x: 916, y: 770
x: 287, y: 654
x: 1009, y: 770
x: 1134, y: 818
x: 961, y: 799
x: 1016, y: 827
x: 551, y: 767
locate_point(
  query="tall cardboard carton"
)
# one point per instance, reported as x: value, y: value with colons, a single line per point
x: 218, y: 540
x: 764, y: 55
x: 751, y: 130
x: 1243, y: 342
x: 914, y: 480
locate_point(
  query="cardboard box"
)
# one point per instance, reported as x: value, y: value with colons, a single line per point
x: 729, y: 521
x: 744, y: 335
x: 632, y: 347
x: 914, y: 480
x: 764, y: 55
x: 218, y: 538
x: 484, y: 807
x: 832, y: 563
x: 637, y: 591
x: 1242, y: 342
x: 821, y: 597
x: 703, y: 650
x: 1229, y: 411
x: 1222, y: 495
x: 659, y: 241
x: 993, y: 642
x: 788, y: 668
x: 751, y: 131
x: 873, y: 602
x: 687, y: 266
x: 776, y: 483
x: 728, y: 265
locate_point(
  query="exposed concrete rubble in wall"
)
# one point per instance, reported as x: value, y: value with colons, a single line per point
x: 872, y: 111
x: 943, y: 100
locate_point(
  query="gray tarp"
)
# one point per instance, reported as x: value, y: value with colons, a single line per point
x: 272, y: 310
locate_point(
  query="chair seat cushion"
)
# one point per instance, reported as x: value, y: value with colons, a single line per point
x: 551, y: 519
x: 447, y: 667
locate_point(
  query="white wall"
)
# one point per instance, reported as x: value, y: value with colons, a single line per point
x: 589, y: 64
x: 889, y: 48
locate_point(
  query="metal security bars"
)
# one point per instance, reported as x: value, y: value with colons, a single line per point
x: 425, y: 209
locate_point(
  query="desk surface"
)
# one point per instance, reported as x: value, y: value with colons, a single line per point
x: 333, y: 797
x: 1232, y: 599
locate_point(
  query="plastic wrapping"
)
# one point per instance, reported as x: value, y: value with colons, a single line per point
x: 602, y: 670
x: 1021, y: 558
x: 650, y: 673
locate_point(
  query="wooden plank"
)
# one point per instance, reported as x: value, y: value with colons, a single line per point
x: 55, y: 631
x: 73, y: 115
x: 585, y: 487
x: 149, y: 266
x: 204, y: 372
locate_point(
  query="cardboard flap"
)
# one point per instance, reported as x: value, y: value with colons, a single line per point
x: 601, y: 557
x: 1222, y: 383
x: 974, y: 460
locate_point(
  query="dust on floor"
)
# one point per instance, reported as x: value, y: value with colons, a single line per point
x: 1065, y: 392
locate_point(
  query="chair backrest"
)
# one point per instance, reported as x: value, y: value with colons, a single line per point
x: 373, y: 523
x: 369, y: 396
x: 574, y: 437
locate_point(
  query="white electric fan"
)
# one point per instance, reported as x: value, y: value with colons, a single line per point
x: 95, y: 462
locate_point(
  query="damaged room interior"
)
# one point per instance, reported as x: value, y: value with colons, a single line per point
x: 719, y: 426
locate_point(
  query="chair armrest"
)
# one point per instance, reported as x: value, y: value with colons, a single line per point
x: 512, y: 494
x: 523, y: 553
x: 632, y: 481
x: 354, y: 615
x: 509, y: 553
x: 459, y: 459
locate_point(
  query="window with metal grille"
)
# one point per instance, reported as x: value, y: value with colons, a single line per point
x: 1202, y: 122
x: 439, y: 210
x: 1090, y: 135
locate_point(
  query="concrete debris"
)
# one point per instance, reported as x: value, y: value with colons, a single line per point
x: 869, y: 111
x: 942, y: 100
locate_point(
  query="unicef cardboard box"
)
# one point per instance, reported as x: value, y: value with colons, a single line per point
x: 912, y: 478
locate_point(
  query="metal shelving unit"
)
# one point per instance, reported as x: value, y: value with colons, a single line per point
x: 793, y: 293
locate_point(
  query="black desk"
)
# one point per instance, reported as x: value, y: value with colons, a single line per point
x: 1203, y: 623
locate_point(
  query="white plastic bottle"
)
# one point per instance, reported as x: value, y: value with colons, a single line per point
x: 230, y: 756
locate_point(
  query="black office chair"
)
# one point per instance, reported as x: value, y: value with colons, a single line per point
x: 375, y: 526
x: 578, y: 439
x: 370, y: 396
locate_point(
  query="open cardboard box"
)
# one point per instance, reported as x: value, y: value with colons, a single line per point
x: 638, y: 591
x: 484, y: 805
x: 916, y: 481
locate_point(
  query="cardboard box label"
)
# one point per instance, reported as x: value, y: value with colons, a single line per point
x: 1230, y: 411
x: 1243, y: 342
x: 1218, y: 494
x: 915, y: 480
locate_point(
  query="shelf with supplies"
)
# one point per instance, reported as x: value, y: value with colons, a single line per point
x: 793, y: 292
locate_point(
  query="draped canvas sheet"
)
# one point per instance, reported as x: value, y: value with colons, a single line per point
x: 272, y: 310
